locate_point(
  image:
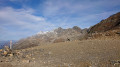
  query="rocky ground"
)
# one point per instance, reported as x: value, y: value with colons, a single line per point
x: 87, y: 53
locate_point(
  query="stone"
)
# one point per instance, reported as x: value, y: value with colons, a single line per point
x: 1, y: 61
x: 26, y: 61
x: 1, y: 50
x: 33, y: 58
x: 11, y: 55
x: 5, y: 53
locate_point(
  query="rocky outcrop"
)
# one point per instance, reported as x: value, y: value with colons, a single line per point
x: 6, y: 51
x: 113, y: 22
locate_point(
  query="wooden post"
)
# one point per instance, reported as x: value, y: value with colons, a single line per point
x: 10, y: 44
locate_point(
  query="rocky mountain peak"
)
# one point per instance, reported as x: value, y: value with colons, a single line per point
x: 76, y: 28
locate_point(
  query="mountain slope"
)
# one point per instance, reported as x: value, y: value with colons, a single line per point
x: 55, y: 36
x: 86, y: 53
x: 113, y: 22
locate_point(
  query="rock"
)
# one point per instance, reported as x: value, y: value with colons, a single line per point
x: 44, y: 62
x: 33, y: 58
x: 11, y: 55
x: 26, y: 61
x: 1, y: 61
x: 1, y: 50
x: 76, y: 28
x: 50, y: 53
x: 27, y: 56
x: 118, y: 33
x: 5, y: 53
x: 114, y: 62
x: 7, y: 60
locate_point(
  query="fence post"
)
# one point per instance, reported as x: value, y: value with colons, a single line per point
x: 10, y: 44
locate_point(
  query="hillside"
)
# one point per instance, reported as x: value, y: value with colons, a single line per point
x: 86, y: 53
x: 111, y: 23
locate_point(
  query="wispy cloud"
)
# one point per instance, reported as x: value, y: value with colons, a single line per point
x: 68, y: 7
x: 59, y: 7
x: 82, y: 13
x: 21, y: 21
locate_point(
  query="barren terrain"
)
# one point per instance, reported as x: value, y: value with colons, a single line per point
x: 87, y: 53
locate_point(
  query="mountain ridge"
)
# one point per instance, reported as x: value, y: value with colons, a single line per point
x: 72, y: 34
x: 110, y: 23
x: 54, y: 36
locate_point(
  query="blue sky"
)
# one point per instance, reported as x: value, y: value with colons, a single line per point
x: 23, y: 18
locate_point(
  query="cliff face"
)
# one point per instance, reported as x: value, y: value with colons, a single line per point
x: 113, y: 22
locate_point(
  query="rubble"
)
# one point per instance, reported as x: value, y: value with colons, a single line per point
x: 114, y: 62
x: 6, y: 51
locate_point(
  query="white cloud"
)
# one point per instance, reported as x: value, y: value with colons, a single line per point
x: 21, y: 22
x: 22, y: 18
